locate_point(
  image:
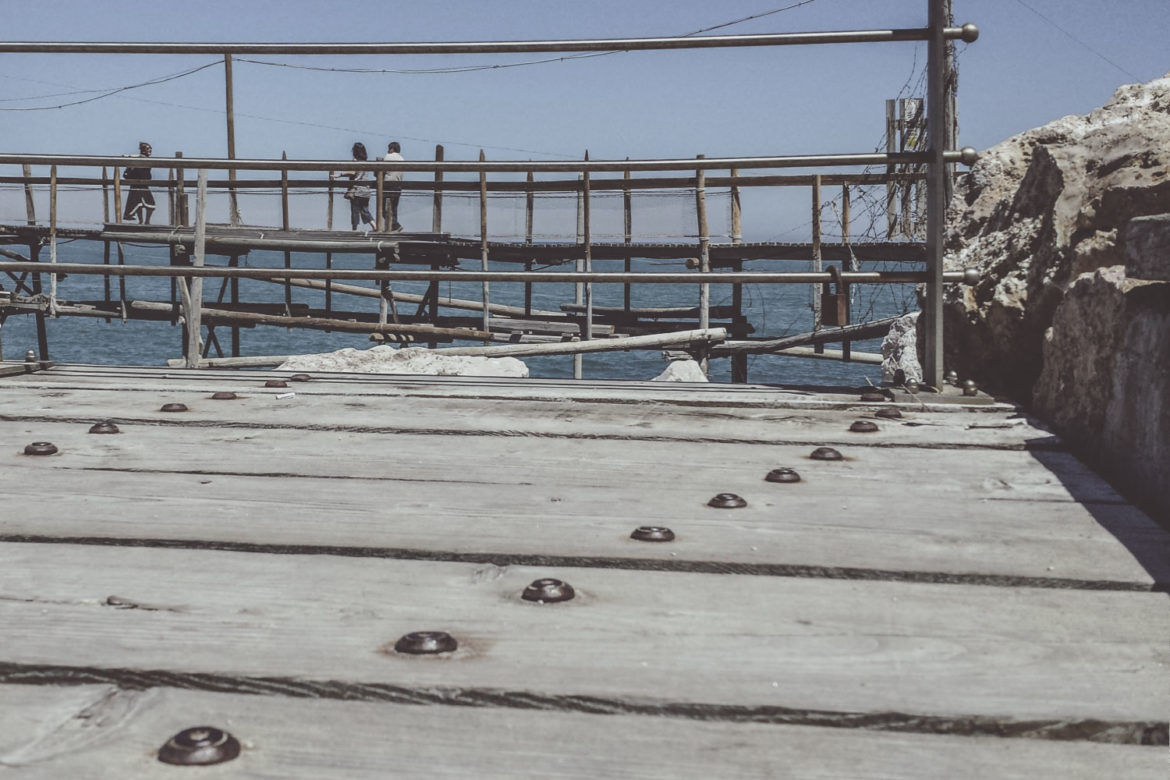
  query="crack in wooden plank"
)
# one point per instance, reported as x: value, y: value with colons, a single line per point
x: 666, y: 565
x: 1064, y: 730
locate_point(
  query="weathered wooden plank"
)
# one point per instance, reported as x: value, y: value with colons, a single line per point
x: 700, y: 394
x: 876, y: 647
x: 632, y: 417
x: 418, y: 502
x: 102, y: 732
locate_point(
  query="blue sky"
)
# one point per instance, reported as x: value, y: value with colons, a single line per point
x: 1036, y: 60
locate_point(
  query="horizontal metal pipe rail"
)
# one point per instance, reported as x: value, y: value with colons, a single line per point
x: 519, y: 277
x: 966, y: 156
x: 967, y: 32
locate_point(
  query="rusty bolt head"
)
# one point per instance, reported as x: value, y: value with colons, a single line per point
x: 276, y: 383
x: 223, y: 396
x: 548, y: 591
x: 200, y: 746
x: 970, y: 388
x: 826, y: 453
x: 174, y: 407
x: 299, y: 378
x: 41, y: 448
x: 106, y: 426
x: 727, y: 501
x: 653, y: 533
x: 782, y: 475
x: 873, y: 396
x: 863, y: 426
x: 426, y: 643
x: 890, y: 413
x: 30, y: 357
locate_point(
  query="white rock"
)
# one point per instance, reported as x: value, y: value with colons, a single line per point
x: 384, y: 359
x: 900, y: 350
x: 682, y: 371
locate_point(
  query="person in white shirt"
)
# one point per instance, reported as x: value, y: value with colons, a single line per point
x: 392, y: 187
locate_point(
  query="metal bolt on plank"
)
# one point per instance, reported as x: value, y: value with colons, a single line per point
x: 426, y: 643
x: 548, y: 591
x: 873, y: 397
x: 41, y: 448
x: 782, y: 475
x: 727, y: 501
x: 863, y: 426
x: 970, y: 388
x: 826, y: 453
x: 890, y: 413
x: 299, y: 378
x: 952, y: 377
x: 106, y: 426
x: 652, y: 533
x: 199, y: 746
x: 910, y: 386
x: 276, y: 383
x: 30, y: 357
x: 223, y: 396
x: 174, y: 408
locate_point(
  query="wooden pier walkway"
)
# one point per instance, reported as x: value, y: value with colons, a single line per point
x: 957, y: 597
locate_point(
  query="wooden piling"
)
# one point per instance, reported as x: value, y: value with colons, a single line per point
x: 529, y: 210
x: 53, y: 239
x: 739, y: 363
x: 851, y: 264
x: 628, y: 223
x: 704, y: 254
x: 483, y: 242
x: 816, y: 250
x: 194, y: 286
x: 284, y: 224
x: 587, y: 332
x: 234, y: 206
x: 105, y: 220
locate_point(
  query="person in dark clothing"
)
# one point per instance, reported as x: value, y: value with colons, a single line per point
x: 359, y: 193
x: 139, y: 201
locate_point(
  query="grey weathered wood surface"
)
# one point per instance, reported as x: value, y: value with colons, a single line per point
x: 956, y: 577
x: 47, y: 730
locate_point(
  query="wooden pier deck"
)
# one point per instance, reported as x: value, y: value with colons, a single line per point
x: 958, y: 597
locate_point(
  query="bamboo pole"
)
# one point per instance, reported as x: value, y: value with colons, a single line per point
x: 816, y: 249
x: 117, y: 197
x: 234, y: 206
x: 704, y: 254
x: 34, y: 250
x: 657, y: 340
x: 285, y: 225
x: 739, y: 363
x: 437, y: 203
x: 53, y: 239
x: 588, y: 259
x: 579, y: 287
x: 195, y: 285
x: 483, y: 242
x: 105, y: 220
x: 628, y: 233
x: 329, y: 255
x: 529, y: 212
x: 850, y: 264
x: 453, y: 303
x: 248, y: 319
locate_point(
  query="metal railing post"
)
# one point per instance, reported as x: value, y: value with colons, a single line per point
x: 936, y: 203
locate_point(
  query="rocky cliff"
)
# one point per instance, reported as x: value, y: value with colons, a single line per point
x: 1072, y: 315
x: 1039, y: 210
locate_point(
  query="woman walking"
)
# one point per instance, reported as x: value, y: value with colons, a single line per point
x: 359, y: 192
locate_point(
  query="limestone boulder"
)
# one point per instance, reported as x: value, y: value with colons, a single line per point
x: 384, y: 359
x: 900, y: 350
x: 1039, y: 210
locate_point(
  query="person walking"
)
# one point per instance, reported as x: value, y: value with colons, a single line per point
x: 359, y: 192
x: 139, y: 201
x: 393, y: 187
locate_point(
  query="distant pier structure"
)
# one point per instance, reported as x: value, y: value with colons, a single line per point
x: 201, y: 249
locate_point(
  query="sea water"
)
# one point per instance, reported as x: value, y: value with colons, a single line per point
x: 773, y: 310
